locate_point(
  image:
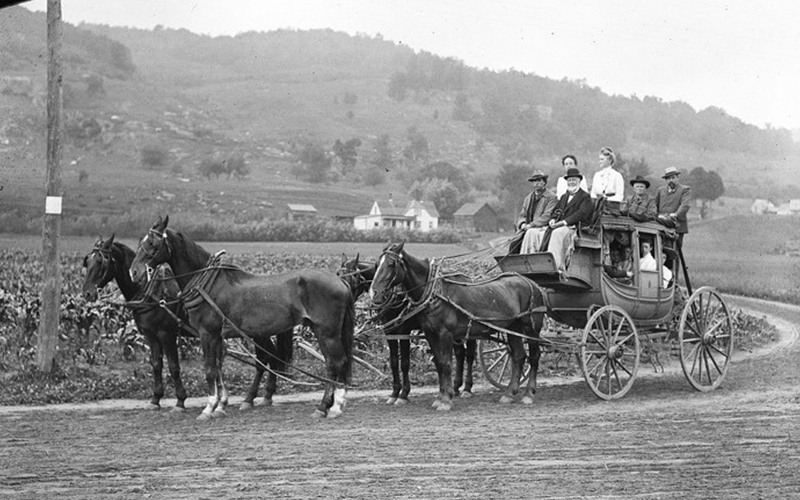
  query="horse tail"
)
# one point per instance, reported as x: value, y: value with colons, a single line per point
x: 348, y: 334
x: 284, y: 344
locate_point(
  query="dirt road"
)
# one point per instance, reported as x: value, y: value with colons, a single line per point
x: 663, y: 440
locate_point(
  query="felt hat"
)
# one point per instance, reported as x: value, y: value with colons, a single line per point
x: 573, y: 172
x: 538, y: 175
x: 640, y: 180
x: 670, y: 171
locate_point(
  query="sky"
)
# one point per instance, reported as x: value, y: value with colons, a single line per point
x: 735, y: 55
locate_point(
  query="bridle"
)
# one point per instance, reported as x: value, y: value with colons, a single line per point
x: 107, y: 264
x: 399, y: 272
x: 161, y: 254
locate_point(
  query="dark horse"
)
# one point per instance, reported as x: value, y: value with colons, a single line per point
x: 110, y: 260
x: 451, y: 309
x: 359, y: 277
x: 226, y: 300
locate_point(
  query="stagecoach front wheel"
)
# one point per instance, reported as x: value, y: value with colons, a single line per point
x: 496, y: 362
x: 609, y: 352
x: 706, y: 339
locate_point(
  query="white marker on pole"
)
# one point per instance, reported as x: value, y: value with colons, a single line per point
x: 52, y: 205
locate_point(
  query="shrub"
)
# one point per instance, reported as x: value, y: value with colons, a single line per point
x: 154, y: 157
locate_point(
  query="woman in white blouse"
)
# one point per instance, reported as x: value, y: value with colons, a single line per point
x: 607, y: 182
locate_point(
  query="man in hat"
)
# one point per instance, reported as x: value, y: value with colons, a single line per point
x: 640, y: 206
x: 537, y: 208
x: 673, y: 201
x: 572, y: 210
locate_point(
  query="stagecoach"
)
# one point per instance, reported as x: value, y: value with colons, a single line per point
x: 610, y: 323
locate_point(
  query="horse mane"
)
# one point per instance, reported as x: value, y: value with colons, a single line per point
x: 192, y: 252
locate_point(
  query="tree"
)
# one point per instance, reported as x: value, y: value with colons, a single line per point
x: 314, y: 164
x: 398, y: 86
x: 512, y: 187
x: 347, y: 153
x: 417, y: 148
x: 381, y: 163
x: 706, y: 187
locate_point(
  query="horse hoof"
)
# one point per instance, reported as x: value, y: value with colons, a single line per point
x: 264, y: 402
x: 527, y: 400
x: 334, y: 414
x: 401, y: 402
x: 444, y: 406
x: 245, y: 406
x: 153, y: 406
x: 204, y: 417
x: 466, y: 394
x: 392, y: 400
x: 177, y: 409
x: 504, y: 400
x: 436, y: 404
x: 219, y: 413
x: 318, y: 414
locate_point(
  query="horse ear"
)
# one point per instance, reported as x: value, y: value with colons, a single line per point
x: 166, y: 221
x: 111, y: 240
x: 400, y: 246
x: 344, y: 259
x: 357, y: 257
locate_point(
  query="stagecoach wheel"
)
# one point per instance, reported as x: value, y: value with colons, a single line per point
x: 706, y: 339
x: 609, y: 353
x: 496, y: 362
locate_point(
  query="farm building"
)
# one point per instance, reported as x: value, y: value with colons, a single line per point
x: 417, y: 215
x: 761, y: 206
x: 476, y: 216
x: 297, y: 211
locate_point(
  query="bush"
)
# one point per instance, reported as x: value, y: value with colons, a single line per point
x: 154, y: 157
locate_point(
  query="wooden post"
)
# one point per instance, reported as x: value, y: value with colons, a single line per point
x: 51, y: 286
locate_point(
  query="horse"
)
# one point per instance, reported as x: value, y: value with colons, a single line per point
x: 453, y: 308
x: 222, y: 300
x: 359, y: 276
x: 109, y: 260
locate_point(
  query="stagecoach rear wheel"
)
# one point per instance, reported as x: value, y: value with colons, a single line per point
x: 609, y: 352
x: 705, y: 335
x: 495, y: 362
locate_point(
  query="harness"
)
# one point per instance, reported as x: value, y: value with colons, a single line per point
x: 433, y: 292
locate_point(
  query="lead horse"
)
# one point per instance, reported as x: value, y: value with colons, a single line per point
x: 224, y: 300
x: 160, y: 323
x: 109, y: 260
x: 453, y: 308
x: 359, y: 276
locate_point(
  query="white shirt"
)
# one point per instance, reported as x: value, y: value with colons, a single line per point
x: 608, y: 181
x: 667, y: 276
x: 647, y: 263
x: 561, y: 186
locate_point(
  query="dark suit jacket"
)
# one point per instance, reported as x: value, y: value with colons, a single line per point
x: 579, y: 210
x: 678, y: 202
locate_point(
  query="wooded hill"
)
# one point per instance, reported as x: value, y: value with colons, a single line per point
x: 154, y: 111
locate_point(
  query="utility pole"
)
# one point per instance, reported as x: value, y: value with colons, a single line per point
x: 51, y: 287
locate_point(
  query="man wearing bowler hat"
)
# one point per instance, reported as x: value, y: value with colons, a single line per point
x: 537, y: 208
x: 640, y: 206
x: 673, y: 201
x: 572, y: 210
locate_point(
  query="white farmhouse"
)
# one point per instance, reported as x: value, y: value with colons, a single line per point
x: 421, y: 216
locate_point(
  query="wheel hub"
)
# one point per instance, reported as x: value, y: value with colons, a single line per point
x: 615, y: 352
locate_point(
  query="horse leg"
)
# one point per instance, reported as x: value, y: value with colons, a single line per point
x: 219, y: 411
x: 517, y: 354
x: 264, y: 352
x: 460, y: 353
x: 157, y: 364
x: 405, y: 366
x: 336, y: 358
x: 442, y: 348
x: 211, y: 367
x: 534, y: 353
x: 394, y: 363
x: 469, y: 353
x: 170, y: 344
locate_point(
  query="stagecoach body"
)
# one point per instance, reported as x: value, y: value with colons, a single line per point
x: 608, y: 320
x: 585, y: 286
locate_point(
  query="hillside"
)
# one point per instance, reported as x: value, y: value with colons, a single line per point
x: 275, y: 100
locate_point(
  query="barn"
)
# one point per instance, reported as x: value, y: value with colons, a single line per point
x: 477, y: 217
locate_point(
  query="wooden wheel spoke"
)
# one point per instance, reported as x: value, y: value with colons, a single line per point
x: 721, y: 353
